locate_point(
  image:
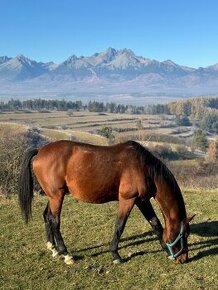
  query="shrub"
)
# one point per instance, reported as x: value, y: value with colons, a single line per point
x: 11, y: 153
x: 164, y: 152
x: 106, y: 132
x: 212, y: 151
x: 183, y: 152
x: 200, y: 140
x: 196, y: 174
x: 12, y: 149
x: 183, y: 121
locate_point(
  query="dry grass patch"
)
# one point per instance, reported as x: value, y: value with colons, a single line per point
x: 8, y: 129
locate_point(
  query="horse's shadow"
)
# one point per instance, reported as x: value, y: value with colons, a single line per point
x: 126, y: 242
x: 204, y: 229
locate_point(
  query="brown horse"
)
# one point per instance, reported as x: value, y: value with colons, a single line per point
x: 124, y: 172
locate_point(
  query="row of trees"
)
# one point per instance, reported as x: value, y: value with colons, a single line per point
x: 202, y: 112
x: 65, y: 105
x: 40, y: 104
x: 194, y: 108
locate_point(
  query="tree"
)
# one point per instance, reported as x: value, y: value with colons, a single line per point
x: 212, y: 151
x: 200, y: 140
x: 139, y: 124
x: 210, y: 121
x: 182, y: 121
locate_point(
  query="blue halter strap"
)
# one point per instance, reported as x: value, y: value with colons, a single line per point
x: 170, y: 246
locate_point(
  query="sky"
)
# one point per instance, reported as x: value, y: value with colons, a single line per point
x: 185, y: 31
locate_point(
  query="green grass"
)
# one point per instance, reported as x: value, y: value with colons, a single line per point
x: 87, y: 229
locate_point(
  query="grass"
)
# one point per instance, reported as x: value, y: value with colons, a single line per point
x: 7, y: 129
x: 84, y: 125
x: 87, y: 229
x: 55, y: 134
x: 86, y: 121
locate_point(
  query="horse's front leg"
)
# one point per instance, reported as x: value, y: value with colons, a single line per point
x: 125, y: 207
x: 148, y: 212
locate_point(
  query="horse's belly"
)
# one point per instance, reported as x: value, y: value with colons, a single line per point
x: 92, y: 192
x: 93, y: 197
x: 93, y: 179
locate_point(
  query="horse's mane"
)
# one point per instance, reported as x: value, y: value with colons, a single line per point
x: 157, y: 170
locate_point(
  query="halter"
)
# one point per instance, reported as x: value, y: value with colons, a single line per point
x: 179, y: 238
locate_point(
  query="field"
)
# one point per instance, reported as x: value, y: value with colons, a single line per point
x: 84, y: 125
x: 87, y: 229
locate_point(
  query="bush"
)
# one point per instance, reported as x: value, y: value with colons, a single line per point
x: 12, y: 149
x: 11, y: 153
x: 164, y: 152
x: 212, y: 151
x: 183, y: 121
x: 200, y: 140
x: 183, y: 152
x: 199, y: 174
x: 106, y: 132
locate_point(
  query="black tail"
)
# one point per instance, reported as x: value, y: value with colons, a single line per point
x: 26, y: 185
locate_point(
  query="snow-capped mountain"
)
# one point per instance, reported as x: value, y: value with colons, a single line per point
x: 21, y: 68
x: 110, y: 71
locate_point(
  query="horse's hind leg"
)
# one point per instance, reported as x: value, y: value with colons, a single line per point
x: 148, y: 212
x: 49, y: 232
x: 125, y: 207
x: 53, y: 217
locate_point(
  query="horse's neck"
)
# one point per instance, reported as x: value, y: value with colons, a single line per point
x: 172, y: 206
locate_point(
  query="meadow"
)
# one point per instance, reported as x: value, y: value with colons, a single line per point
x: 87, y: 229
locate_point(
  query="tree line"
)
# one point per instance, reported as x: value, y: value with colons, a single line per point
x: 65, y: 105
x: 201, y: 111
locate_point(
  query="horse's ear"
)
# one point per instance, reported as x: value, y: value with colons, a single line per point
x: 190, y: 218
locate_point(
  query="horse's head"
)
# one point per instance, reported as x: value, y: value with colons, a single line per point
x: 175, y: 242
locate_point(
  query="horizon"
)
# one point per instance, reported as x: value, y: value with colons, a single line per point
x: 185, y: 33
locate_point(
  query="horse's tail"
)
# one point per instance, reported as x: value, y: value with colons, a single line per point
x: 26, y: 185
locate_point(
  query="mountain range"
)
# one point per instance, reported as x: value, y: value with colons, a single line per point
x: 112, y: 72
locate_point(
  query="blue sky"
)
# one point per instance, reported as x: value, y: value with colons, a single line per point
x: 51, y: 30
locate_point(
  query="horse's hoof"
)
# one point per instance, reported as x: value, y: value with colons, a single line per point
x: 69, y: 260
x: 54, y: 253
x: 49, y: 246
x: 117, y: 261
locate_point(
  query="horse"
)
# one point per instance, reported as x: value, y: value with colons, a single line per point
x: 125, y: 172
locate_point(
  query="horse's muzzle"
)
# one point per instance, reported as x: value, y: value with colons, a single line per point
x: 181, y: 259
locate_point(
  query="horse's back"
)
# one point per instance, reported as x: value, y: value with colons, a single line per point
x: 91, y: 173
x: 95, y: 173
